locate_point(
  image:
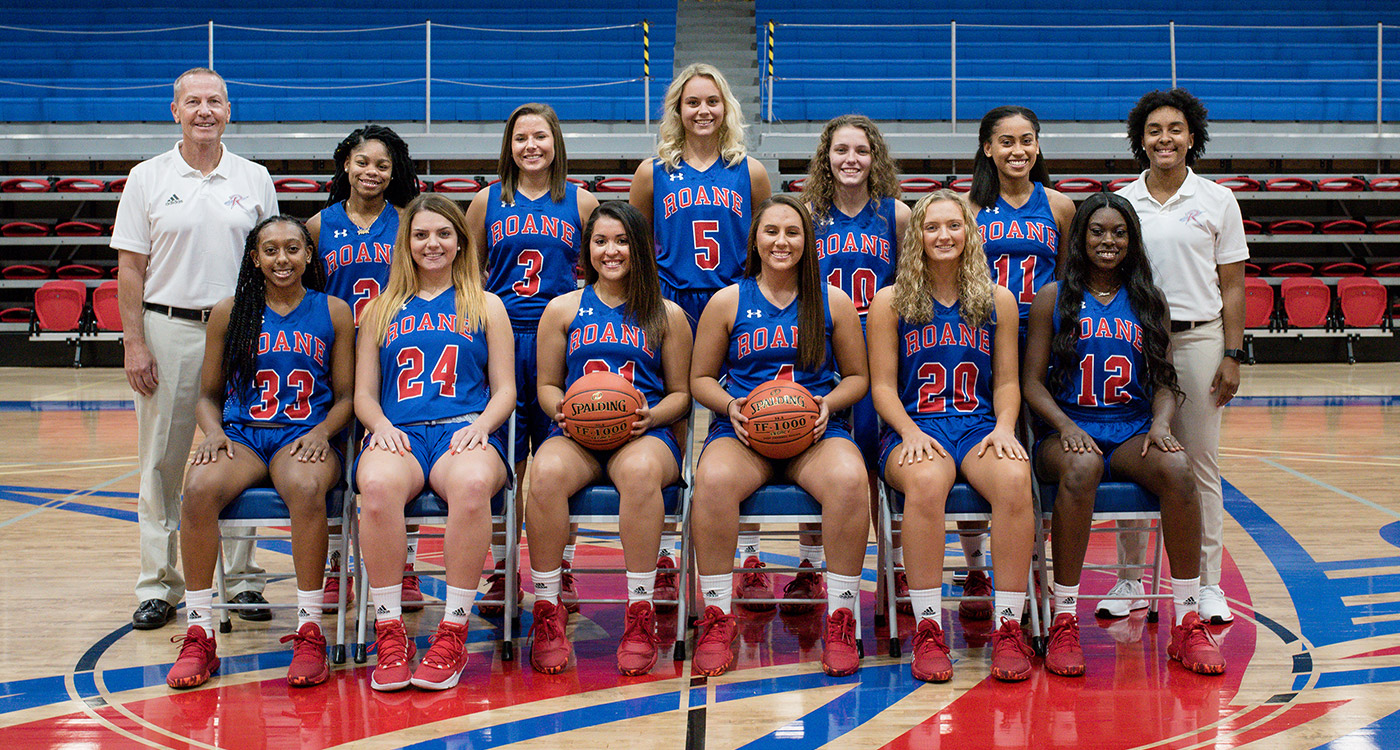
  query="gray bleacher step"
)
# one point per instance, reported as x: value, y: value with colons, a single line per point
x: 721, y: 32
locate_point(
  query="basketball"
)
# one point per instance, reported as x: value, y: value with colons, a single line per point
x: 600, y: 409
x: 781, y: 416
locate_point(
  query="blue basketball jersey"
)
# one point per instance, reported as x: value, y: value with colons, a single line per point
x: 291, y: 382
x: 602, y: 338
x: 532, y: 249
x: 763, y: 346
x: 858, y: 252
x: 1021, y: 245
x: 1108, y: 383
x: 357, y: 260
x: 945, y: 365
x: 701, y: 220
x: 427, y: 369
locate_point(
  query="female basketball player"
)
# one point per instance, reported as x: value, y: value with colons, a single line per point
x: 278, y: 371
x: 530, y: 225
x: 943, y: 372
x: 619, y: 323
x: 1097, y: 370
x: 780, y: 321
x: 433, y: 383
x: 374, y: 179
x: 699, y: 193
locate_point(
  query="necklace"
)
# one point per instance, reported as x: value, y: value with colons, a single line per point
x: 1097, y: 293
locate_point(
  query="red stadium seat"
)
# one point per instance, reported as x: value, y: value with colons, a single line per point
x: 1291, y: 268
x: 24, y: 229
x: 580, y: 182
x: 1341, y: 184
x: 960, y: 185
x: 26, y: 185
x: 425, y: 187
x: 116, y: 270
x: 1344, y: 226
x: 456, y: 185
x: 1344, y: 268
x: 919, y: 185
x: 1386, y: 184
x: 1363, y: 302
x: 1239, y: 184
x: 79, y: 229
x: 1079, y: 185
x: 624, y: 184
x: 1252, y: 270
x: 1258, y: 303
x: 1389, y: 226
x: 16, y: 315
x: 1289, y: 185
x: 1253, y: 227
x: 1387, y: 269
x: 80, y: 185
x: 117, y: 185
x: 1307, y: 302
x: 1292, y: 226
x: 1120, y: 183
x: 59, y: 305
x: 79, y: 271
x: 105, y: 308
x: 20, y: 271
x: 297, y: 185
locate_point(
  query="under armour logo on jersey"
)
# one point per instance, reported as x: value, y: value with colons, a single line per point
x: 929, y: 612
x: 994, y: 210
x: 174, y: 200
x: 341, y: 233
x: 459, y: 612
x: 640, y: 591
x: 677, y: 176
x: 754, y: 314
x: 585, y: 311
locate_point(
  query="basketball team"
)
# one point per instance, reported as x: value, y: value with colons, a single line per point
x: 922, y: 340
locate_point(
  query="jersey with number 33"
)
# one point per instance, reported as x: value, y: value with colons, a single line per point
x: 291, y: 380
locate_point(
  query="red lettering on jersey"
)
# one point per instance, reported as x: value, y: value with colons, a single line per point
x: 529, y: 226
x: 1086, y: 328
x: 1104, y: 332
x: 264, y: 342
x: 566, y: 233
x: 948, y: 338
x: 590, y: 334
x: 911, y: 343
x: 392, y: 333
x: 1036, y: 230
x: 994, y: 231
x: 573, y: 341
x: 930, y: 334
x: 1124, y: 329
x: 702, y: 198
x: 850, y: 246
x: 966, y: 336
x: 347, y: 255
x: 609, y: 336
x: 779, y: 340
x: 669, y: 202
x: 320, y: 355
x: 331, y: 263
x: 281, y: 344
x: 738, y: 201
x: 760, y: 339
x: 363, y: 256
x: 447, y: 322
x: 512, y: 225
x: 301, y: 343
x: 383, y: 253
x: 684, y: 197
x: 742, y: 344
x: 724, y: 197
x: 1013, y: 232
x: 497, y: 233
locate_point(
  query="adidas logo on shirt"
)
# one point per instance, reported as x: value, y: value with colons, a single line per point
x: 174, y: 200
x: 459, y: 612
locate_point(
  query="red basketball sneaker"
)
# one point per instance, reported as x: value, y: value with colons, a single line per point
x: 754, y: 584
x: 636, y: 652
x: 568, y: 595
x: 1011, y: 655
x: 395, y: 652
x: 331, y: 591
x: 1193, y: 646
x: 549, y: 641
x: 931, y: 662
x: 839, y: 654
x: 1064, y: 656
x: 443, y: 664
x: 901, y: 592
x: 196, y: 662
x: 714, y: 644
x: 665, y: 588
x: 309, y: 663
x: 977, y: 585
x: 806, y: 585
x: 493, y: 602
x: 411, y: 595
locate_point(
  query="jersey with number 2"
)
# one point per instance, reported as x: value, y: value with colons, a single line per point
x: 429, y: 370
x: 357, y: 259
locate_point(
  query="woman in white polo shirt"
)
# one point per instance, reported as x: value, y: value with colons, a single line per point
x: 1194, y: 237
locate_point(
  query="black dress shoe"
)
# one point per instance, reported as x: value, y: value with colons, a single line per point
x: 252, y: 615
x: 152, y: 614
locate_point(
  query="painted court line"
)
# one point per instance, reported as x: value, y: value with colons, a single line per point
x: 70, y: 496
x: 1329, y: 487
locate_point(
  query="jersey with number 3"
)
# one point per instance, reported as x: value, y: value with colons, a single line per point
x: 945, y: 365
x: 532, y: 249
x: 427, y: 369
x: 602, y: 338
x: 1106, y: 384
x: 763, y: 345
x: 291, y: 379
x: 701, y: 219
x: 858, y: 252
x: 357, y: 261
x: 1021, y: 245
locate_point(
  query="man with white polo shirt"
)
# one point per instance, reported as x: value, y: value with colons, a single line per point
x: 180, y: 230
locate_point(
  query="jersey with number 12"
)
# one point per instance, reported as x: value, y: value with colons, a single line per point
x: 532, y: 249
x: 1107, y: 384
x: 701, y: 219
x: 427, y: 369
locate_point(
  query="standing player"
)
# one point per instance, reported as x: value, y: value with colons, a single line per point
x: 852, y: 189
x: 1097, y: 370
x: 374, y: 179
x: 433, y: 384
x: 780, y: 322
x: 530, y: 226
x: 619, y: 323
x: 698, y: 193
x: 275, y: 389
x: 943, y: 372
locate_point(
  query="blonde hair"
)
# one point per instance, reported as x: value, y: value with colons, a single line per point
x: 731, y: 130
x: 913, y: 283
x: 403, y: 272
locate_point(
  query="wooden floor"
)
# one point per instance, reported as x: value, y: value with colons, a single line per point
x: 1311, y: 457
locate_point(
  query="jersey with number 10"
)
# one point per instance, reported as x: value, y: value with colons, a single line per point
x: 945, y: 365
x: 701, y: 219
x: 427, y: 369
x: 357, y: 260
x: 291, y: 380
x: 1106, y: 384
x: 858, y: 252
x: 602, y: 338
x: 1021, y: 245
x: 763, y: 345
x: 532, y: 249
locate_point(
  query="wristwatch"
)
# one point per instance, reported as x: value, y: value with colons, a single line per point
x: 1236, y: 354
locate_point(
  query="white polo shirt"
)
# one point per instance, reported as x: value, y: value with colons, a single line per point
x: 1196, y: 230
x: 192, y: 226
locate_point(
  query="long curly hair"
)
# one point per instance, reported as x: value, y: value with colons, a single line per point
x: 986, y: 181
x: 403, y: 178
x: 913, y: 282
x: 811, y: 312
x: 1180, y: 99
x: 403, y: 272
x: 1135, y: 276
x: 509, y: 171
x: 819, y: 189
x: 250, y: 302
x: 644, y: 305
x: 671, y: 139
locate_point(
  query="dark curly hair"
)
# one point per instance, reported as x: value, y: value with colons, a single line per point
x: 1180, y: 99
x: 250, y: 300
x: 986, y: 183
x: 1135, y: 275
x: 645, y: 305
x: 403, y: 179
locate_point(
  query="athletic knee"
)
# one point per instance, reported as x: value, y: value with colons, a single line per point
x: 1082, y: 474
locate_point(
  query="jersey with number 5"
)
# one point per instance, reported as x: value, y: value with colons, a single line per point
x: 701, y: 220
x: 858, y: 252
x: 357, y: 260
x: 1021, y: 245
x: 945, y: 365
x: 1107, y: 381
x: 532, y: 249
x: 602, y: 338
x: 427, y: 369
x: 291, y: 379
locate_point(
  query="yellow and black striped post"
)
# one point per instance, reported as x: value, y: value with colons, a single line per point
x: 646, y: 71
x: 771, y: 28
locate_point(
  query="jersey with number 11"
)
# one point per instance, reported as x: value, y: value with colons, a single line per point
x: 1021, y: 245
x: 428, y: 369
x: 701, y: 219
x: 532, y: 249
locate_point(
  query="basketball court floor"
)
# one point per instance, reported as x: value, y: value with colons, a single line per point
x: 1311, y: 460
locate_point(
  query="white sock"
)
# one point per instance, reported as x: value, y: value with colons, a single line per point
x: 309, y: 607
x: 812, y: 554
x: 640, y: 586
x: 569, y: 554
x: 668, y: 546
x: 842, y: 591
x: 1185, y: 596
x: 412, y: 553
x: 748, y: 545
x: 388, y: 601
x: 547, y: 584
x: 1008, y: 605
x: 898, y: 555
x: 459, y: 605
x: 974, y: 547
x: 498, y: 555
x: 1066, y: 598
x: 199, y: 609
x: 718, y: 591
x: 927, y: 603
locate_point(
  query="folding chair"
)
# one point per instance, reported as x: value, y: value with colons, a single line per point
x: 1364, y: 302
x: 104, y: 307
x: 1307, y: 301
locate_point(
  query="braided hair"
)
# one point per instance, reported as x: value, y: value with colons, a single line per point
x: 245, y: 320
x: 403, y: 178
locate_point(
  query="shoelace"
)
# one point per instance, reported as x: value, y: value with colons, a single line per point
x: 1195, y: 632
x: 802, y: 579
x: 317, y: 641
x: 755, y: 577
x: 1065, y: 634
x: 193, y: 643
x: 641, y: 628
x: 549, y: 627
x: 391, y: 644
x: 447, y: 646
x: 924, y: 635
x: 1009, y: 638
x: 977, y: 586
x: 713, y: 624
x: 841, y: 628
